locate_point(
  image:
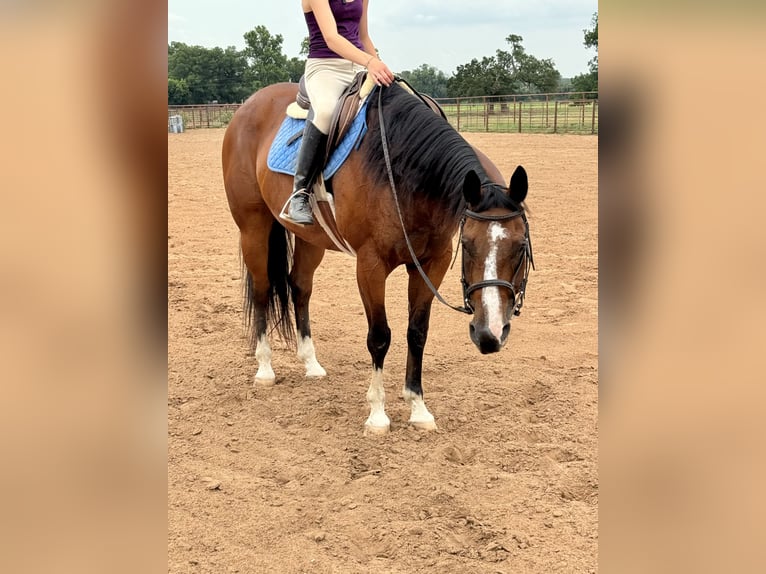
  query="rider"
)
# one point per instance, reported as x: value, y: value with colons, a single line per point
x: 339, y: 47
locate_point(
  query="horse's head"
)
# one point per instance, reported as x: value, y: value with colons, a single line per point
x: 497, y: 255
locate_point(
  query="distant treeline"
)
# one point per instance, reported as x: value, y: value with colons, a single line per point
x: 199, y: 75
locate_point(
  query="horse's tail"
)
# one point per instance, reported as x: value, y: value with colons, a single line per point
x: 279, y: 302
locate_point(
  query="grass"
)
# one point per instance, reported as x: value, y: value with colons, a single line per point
x: 534, y: 116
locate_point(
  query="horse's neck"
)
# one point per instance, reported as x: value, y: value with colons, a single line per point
x: 492, y: 173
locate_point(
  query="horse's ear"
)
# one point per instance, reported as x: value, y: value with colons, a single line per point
x: 472, y: 189
x: 519, y: 185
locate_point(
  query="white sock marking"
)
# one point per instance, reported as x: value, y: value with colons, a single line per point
x: 419, y: 412
x: 265, y: 373
x: 307, y: 354
x: 376, y: 396
x: 490, y: 296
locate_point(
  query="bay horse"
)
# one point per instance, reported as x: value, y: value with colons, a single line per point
x: 400, y: 198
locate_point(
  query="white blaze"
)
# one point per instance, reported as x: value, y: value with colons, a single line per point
x: 490, y: 296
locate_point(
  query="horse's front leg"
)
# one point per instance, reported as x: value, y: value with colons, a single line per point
x: 420, y: 300
x: 371, y: 277
x: 306, y: 259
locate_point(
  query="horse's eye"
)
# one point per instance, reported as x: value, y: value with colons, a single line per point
x: 518, y: 252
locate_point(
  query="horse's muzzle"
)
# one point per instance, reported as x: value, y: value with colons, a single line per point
x: 485, y: 340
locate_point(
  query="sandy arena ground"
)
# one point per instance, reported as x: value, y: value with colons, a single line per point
x: 281, y: 479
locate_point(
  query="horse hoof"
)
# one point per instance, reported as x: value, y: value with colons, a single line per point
x: 423, y: 425
x: 261, y: 382
x: 315, y: 373
x: 370, y: 430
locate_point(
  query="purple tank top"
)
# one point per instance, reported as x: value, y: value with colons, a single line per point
x: 348, y: 14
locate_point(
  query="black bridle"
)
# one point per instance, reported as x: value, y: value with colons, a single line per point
x: 526, y: 260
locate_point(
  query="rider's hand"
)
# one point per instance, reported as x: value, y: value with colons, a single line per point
x: 380, y: 72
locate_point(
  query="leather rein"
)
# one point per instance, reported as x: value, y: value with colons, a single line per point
x: 525, y: 263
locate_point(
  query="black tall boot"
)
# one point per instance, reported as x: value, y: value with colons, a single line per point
x: 310, y: 162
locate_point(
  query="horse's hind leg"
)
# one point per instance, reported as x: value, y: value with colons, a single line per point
x: 266, y: 254
x: 306, y: 259
x: 254, y: 246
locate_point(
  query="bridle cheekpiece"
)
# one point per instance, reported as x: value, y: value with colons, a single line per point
x: 525, y: 263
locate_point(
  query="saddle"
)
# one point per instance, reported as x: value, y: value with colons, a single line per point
x: 348, y: 106
x: 346, y: 109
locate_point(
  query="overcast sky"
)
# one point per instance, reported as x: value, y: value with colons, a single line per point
x: 441, y: 33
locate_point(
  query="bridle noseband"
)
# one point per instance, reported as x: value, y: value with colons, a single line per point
x: 525, y: 263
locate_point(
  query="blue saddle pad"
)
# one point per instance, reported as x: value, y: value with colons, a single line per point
x: 284, y: 150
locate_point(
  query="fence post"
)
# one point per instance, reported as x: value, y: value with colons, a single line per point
x: 546, y: 111
x: 486, y: 114
x: 555, y: 116
x: 514, y: 109
x: 458, y: 114
x: 207, y: 115
x: 520, y: 103
x: 593, y: 118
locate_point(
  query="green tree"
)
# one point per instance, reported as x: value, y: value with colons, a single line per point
x: 295, y: 69
x: 528, y: 74
x: 194, y: 66
x: 232, y: 73
x: 178, y: 92
x: 428, y: 80
x: 505, y: 73
x: 591, y: 39
x: 267, y: 64
x: 483, y: 77
x: 589, y: 82
x: 202, y: 75
x: 208, y: 74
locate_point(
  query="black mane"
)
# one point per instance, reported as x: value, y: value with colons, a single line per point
x: 428, y: 157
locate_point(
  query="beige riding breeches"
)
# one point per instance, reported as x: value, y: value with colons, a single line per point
x: 326, y: 79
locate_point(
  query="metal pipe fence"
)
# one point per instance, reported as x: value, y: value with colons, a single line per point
x: 571, y: 112
x: 203, y: 116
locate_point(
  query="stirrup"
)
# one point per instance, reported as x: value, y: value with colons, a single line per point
x: 283, y: 214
